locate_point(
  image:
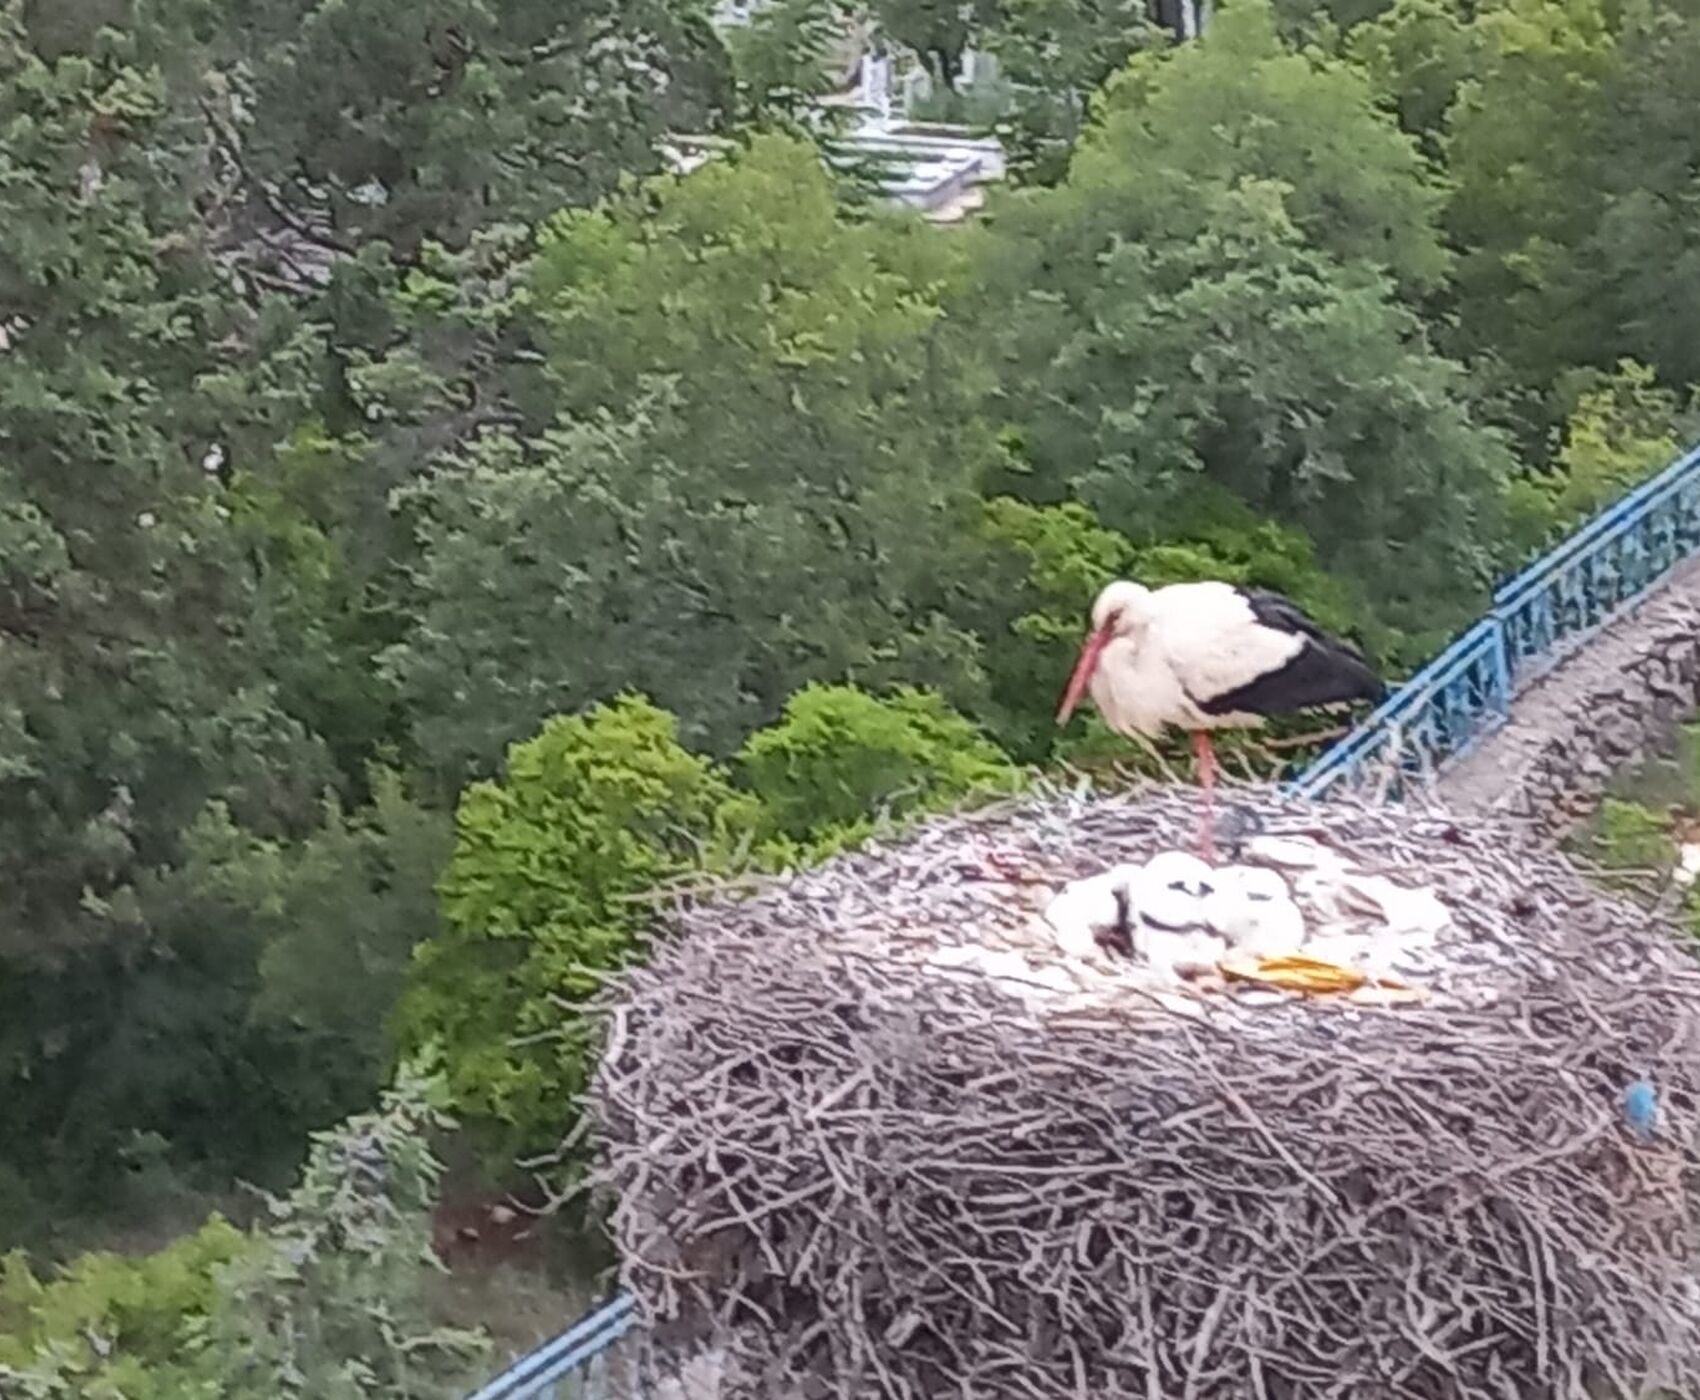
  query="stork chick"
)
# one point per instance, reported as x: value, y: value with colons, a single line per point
x: 1169, y: 897
x: 1095, y: 914
x: 1252, y: 908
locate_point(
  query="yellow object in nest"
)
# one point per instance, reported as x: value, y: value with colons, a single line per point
x: 1294, y: 972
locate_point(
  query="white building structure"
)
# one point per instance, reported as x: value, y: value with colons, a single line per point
x: 940, y: 170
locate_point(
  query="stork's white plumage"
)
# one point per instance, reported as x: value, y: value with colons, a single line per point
x: 1252, y: 908
x: 1204, y: 656
x: 1168, y: 899
x: 1094, y: 914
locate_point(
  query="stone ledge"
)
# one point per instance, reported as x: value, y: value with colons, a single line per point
x: 1601, y: 707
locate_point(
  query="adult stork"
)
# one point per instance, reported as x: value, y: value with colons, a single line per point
x: 1206, y: 656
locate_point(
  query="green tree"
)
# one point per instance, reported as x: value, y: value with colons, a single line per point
x: 142, y: 648
x: 537, y: 906
x: 123, y: 591
x: 1418, y: 54
x: 1243, y: 107
x: 1526, y: 193
x: 793, y: 502
x: 1574, y: 250
x: 841, y: 764
x: 786, y: 58
x: 1058, y: 53
x: 1322, y: 24
x: 163, y: 628
x: 1623, y: 429
x: 1640, y: 268
x: 400, y: 121
x: 260, y: 1017
x: 1212, y: 309
x: 937, y: 31
x: 350, y: 903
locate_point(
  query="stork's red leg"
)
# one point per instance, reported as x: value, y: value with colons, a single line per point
x: 1204, y: 754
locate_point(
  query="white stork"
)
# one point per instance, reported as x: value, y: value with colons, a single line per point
x: 1204, y: 656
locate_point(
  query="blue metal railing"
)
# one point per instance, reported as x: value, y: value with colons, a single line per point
x: 1538, y: 617
x: 554, y: 1370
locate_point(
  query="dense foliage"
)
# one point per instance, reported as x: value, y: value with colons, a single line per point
x: 545, y: 890
x: 326, y: 1298
x: 427, y: 523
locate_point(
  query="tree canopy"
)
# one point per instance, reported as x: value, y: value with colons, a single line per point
x: 1218, y: 309
x: 761, y: 470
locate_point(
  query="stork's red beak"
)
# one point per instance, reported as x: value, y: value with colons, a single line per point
x: 1083, y: 670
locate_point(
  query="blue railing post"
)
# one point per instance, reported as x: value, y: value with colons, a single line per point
x: 1501, y: 666
x: 538, y: 1374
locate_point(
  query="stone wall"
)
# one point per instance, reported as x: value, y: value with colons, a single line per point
x: 1600, y: 708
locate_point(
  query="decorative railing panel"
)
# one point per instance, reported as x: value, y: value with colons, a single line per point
x: 1538, y: 618
x: 1459, y: 697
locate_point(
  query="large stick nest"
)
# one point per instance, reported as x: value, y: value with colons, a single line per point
x: 861, y: 1174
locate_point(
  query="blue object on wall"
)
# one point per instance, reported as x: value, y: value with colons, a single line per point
x: 1641, y: 1109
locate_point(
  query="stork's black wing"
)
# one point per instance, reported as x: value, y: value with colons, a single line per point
x: 1324, y: 671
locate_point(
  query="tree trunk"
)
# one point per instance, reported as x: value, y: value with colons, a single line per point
x: 947, y: 66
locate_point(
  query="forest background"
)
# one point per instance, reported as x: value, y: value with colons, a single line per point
x: 426, y: 525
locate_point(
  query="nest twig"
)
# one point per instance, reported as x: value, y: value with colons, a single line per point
x: 858, y: 1178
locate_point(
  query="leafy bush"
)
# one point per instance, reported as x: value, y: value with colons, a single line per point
x: 843, y: 763
x: 1044, y: 565
x: 543, y: 896
x: 1623, y: 429
x: 536, y: 907
x: 333, y: 1306
x: 324, y: 1299
x: 118, y: 1328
